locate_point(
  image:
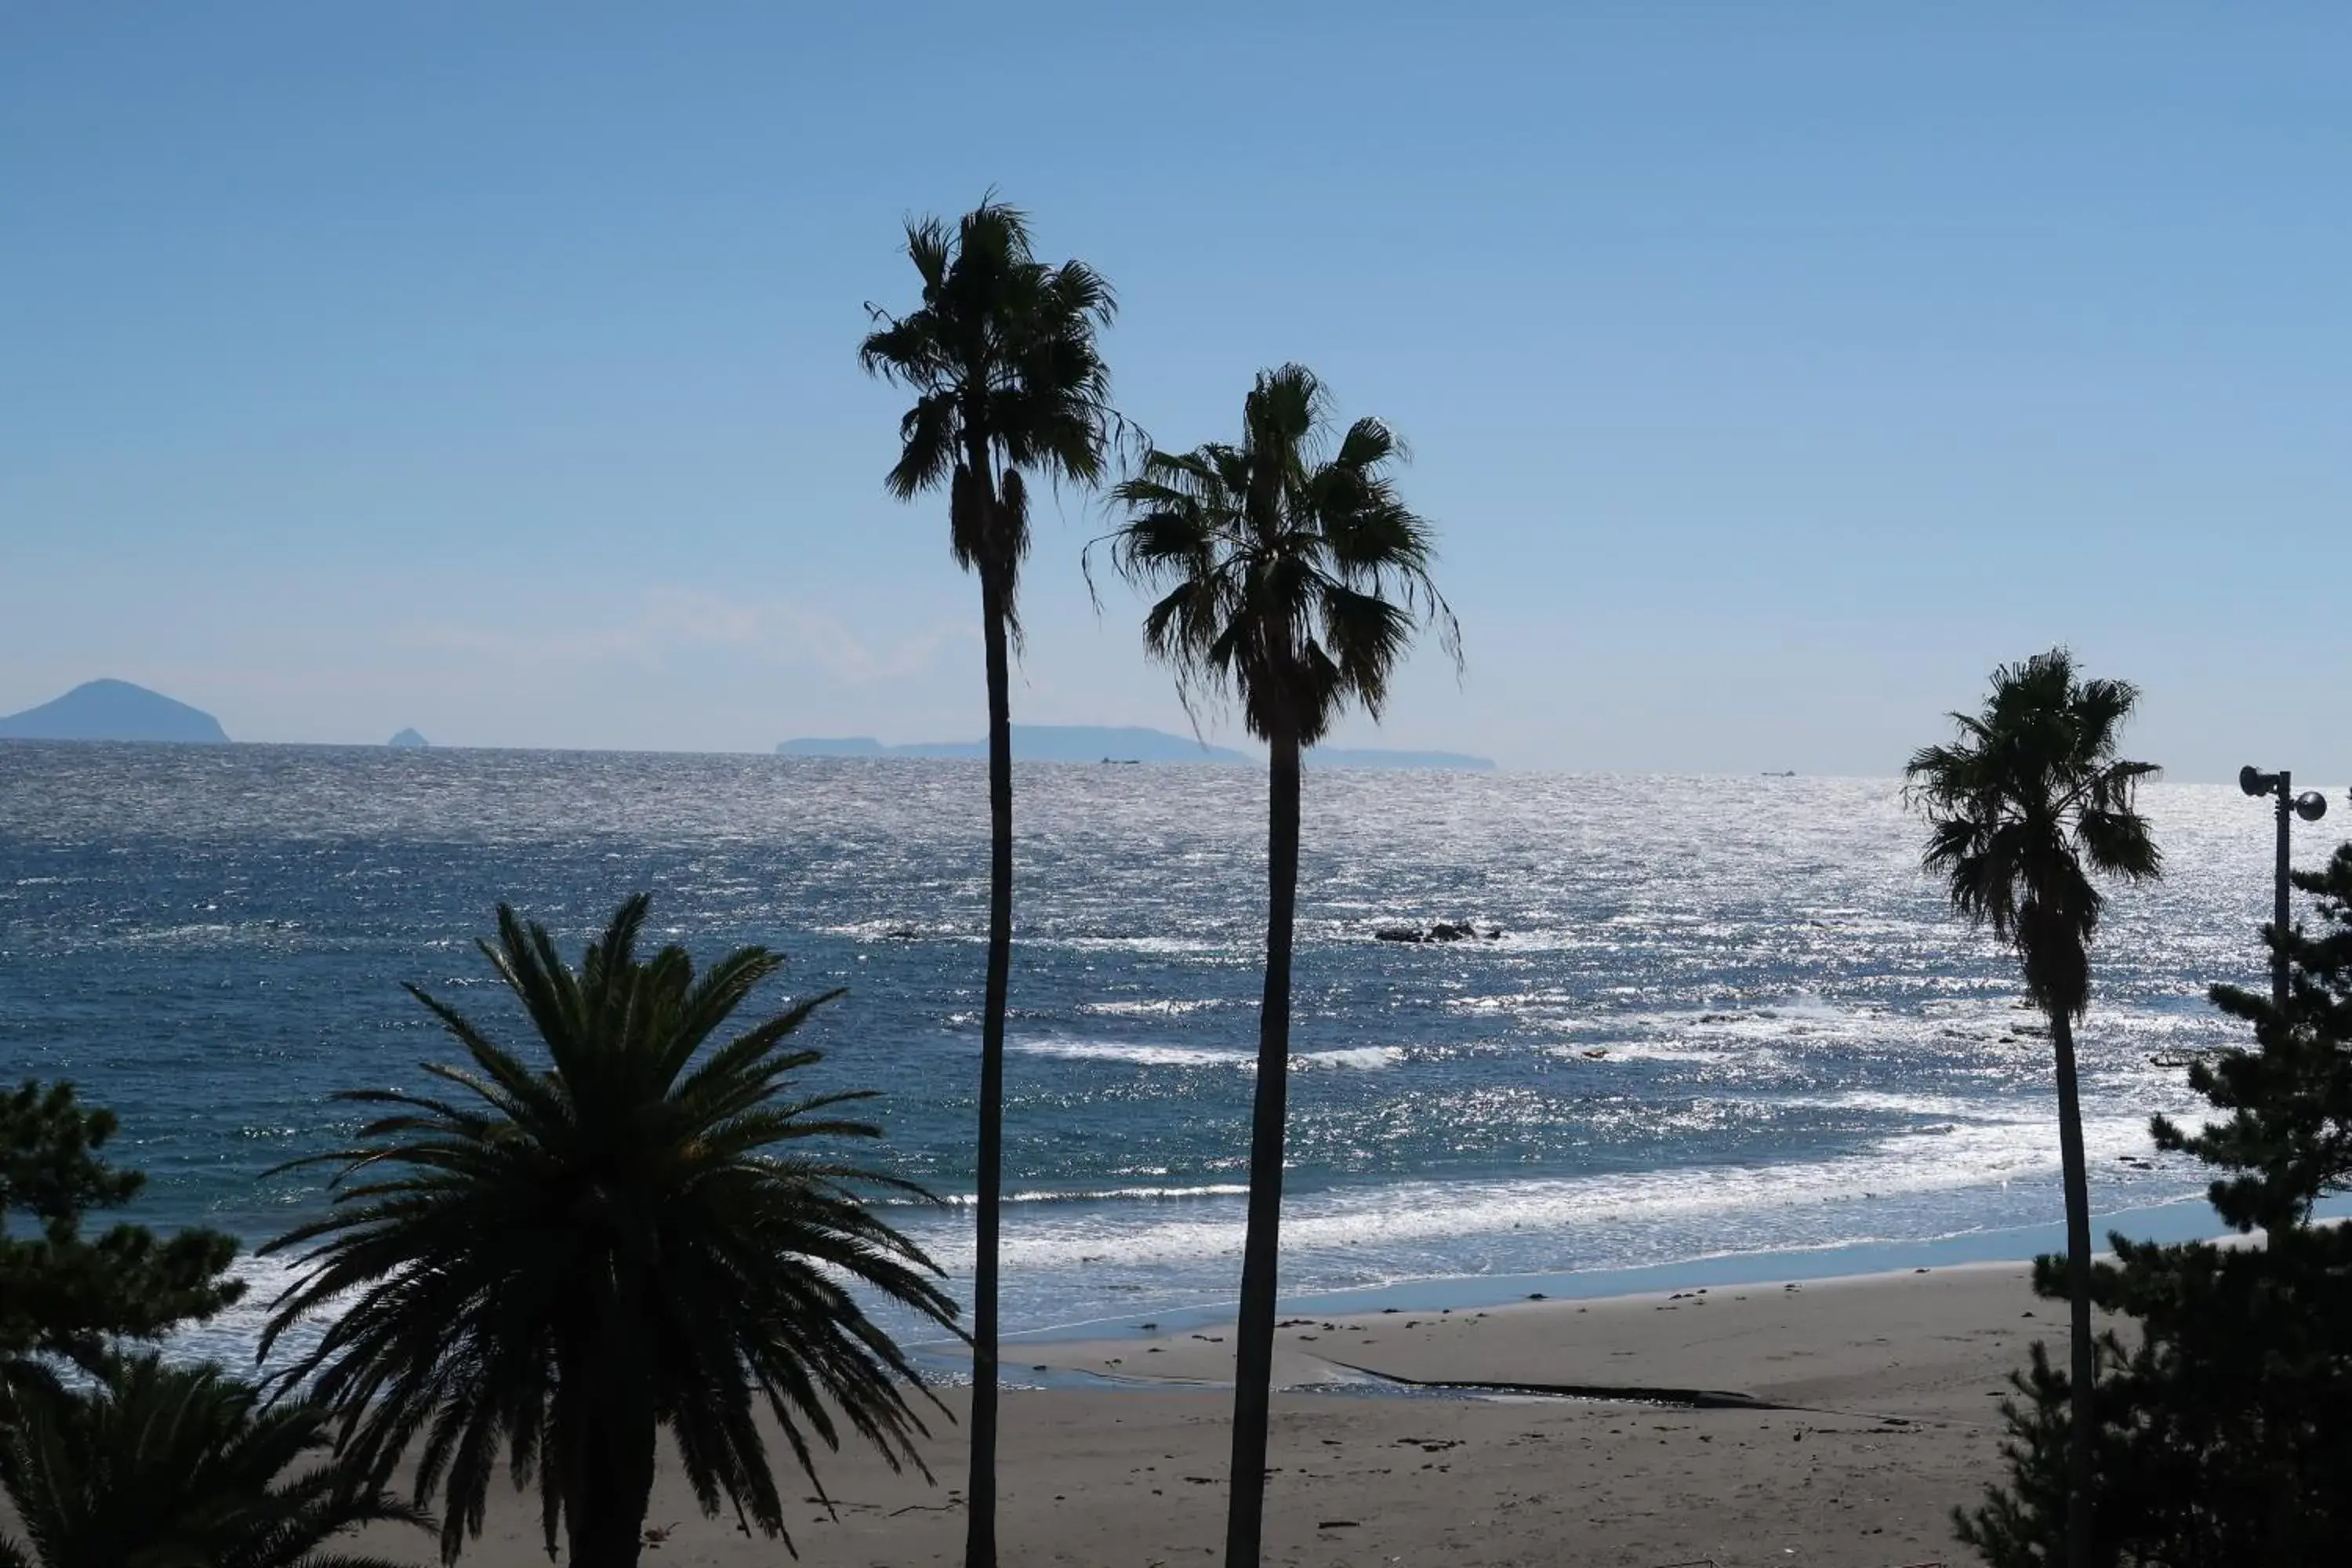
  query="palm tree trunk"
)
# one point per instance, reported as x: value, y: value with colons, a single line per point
x: 1261, y: 1251
x: 613, y: 1484
x: 980, y: 1494
x: 2083, y: 1381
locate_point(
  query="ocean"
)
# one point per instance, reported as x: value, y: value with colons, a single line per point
x: 1727, y: 1019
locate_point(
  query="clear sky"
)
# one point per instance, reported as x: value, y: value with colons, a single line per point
x: 1772, y: 370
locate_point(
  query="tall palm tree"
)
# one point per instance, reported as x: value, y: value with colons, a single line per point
x: 2023, y: 808
x: 1009, y: 385
x: 560, y: 1260
x: 178, y: 1467
x: 1291, y: 577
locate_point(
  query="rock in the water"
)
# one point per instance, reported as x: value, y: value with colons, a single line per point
x: 1444, y: 931
x: 409, y: 740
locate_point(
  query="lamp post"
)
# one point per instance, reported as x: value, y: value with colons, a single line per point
x: 2310, y: 805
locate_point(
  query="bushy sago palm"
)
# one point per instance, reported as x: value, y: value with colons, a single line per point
x: 150, y: 1466
x: 553, y: 1262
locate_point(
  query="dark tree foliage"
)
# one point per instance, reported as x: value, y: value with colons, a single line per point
x: 2225, y: 1426
x: 557, y: 1256
x: 66, y: 1295
x: 2285, y: 1131
x: 2223, y: 1432
x: 150, y: 1466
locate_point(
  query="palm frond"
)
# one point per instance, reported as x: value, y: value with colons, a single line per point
x: 1003, y: 355
x: 626, y: 1230
x: 1290, y: 579
x: 162, y: 1464
x: 2027, y: 798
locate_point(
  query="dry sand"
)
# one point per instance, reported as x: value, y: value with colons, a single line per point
x: 1886, y: 1388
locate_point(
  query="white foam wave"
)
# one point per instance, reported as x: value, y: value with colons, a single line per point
x: 1943, y: 1105
x: 232, y: 1336
x: 1136, y: 1054
x: 1363, y: 1058
x: 1116, y: 1195
x: 1152, y: 944
x: 1412, y: 1216
x: 165, y: 936
x: 1645, y: 1050
x: 892, y: 931
x: 1162, y: 1008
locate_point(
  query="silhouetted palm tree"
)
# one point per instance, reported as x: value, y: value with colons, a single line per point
x: 1293, y: 578
x: 1008, y: 385
x: 178, y: 1467
x: 561, y: 1261
x: 2027, y: 804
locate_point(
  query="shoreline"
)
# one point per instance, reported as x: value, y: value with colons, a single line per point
x: 1859, y: 1413
x: 2189, y: 1219
x: 944, y: 1365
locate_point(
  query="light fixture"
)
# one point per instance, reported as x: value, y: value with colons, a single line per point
x: 2310, y: 805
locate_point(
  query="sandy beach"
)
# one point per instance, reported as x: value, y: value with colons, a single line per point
x: 1855, y: 1414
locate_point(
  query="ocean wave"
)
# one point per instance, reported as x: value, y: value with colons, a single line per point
x: 1360, y: 1059
x: 1648, y: 1051
x: 1782, y: 1020
x: 893, y: 929
x: 233, y: 1335
x: 1172, y: 946
x: 1136, y: 1054
x: 1422, y: 1216
x: 1363, y: 1058
x: 1161, y: 1007
x: 1115, y: 1194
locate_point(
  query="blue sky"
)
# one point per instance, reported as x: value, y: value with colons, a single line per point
x: 1773, y: 372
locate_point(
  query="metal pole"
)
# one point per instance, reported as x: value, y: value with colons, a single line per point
x: 2278, y: 901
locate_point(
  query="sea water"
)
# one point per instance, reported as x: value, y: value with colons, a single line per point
x: 1725, y: 1017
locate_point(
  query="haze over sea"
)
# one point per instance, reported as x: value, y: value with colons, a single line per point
x: 1727, y: 1016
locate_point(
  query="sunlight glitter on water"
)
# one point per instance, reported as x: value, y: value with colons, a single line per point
x: 1723, y: 1013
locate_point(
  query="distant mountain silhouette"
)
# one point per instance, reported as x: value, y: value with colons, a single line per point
x: 1037, y: 744
x: 409, y: 740
x: 1121, y: 743
x: 113, y: 711
x: 1376, y: 757
x: 845, y: 746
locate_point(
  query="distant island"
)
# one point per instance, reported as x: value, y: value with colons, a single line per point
x: 1121, y: 743
x: 408, y: 741
x: 114, y: 710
